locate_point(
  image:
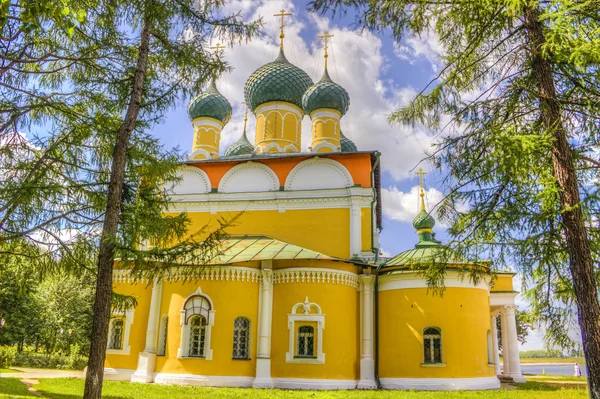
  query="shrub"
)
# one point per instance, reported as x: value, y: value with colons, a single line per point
x: 51, y: 361
x: 7, y: 356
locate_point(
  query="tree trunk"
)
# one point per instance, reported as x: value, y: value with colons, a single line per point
x: 102, y: 303
x: 581, y: 266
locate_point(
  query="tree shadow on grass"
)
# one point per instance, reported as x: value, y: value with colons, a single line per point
x: 542, y: 386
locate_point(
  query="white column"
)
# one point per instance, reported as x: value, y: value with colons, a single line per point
x: 147, y: 358
x: 509, y: 329
x: 355, y: 228
x: 265, y: 316
x: 367, y: 363
x: 495, y: 350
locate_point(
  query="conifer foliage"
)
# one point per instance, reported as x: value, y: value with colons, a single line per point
x: 516, y: 102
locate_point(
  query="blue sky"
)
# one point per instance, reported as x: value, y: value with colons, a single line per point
x: 379, y: 75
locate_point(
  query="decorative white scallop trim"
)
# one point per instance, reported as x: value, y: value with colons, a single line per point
x: 408, y: 280
x: 202, y: 121
x: 205, y: 180
x: 279, y: 106
x: 305, y: 383
x: 325, y: 114
x: 217, y: 273
x: 203, y: 380
x: 441, y: 384
x: 200, y: 151
x: 231, y: 173
x: 325, y: 144
x: 338, y: 167
x: 315, y: 275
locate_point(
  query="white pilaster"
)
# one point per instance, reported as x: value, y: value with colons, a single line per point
x: 147, y: 358
x: 265, y: 316
x: 513, y: 345
x: 367, y: 363
x: 505, y: 347
x: 355, y: 228
x: 495, y: 350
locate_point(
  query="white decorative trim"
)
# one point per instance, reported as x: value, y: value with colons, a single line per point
x: 315, y: 275
x: 192, y: 185
x: 126, y: 347
x: 324, y: 144
x: 294, y: 318
x: 231, y: 173
x: 204, y: 121
x: 278, y: 107
x: 503, y: 298
x: 325, y: 114
x: 320, y: 384
x: 112, y: 374
x: 405, y: 280
x: 292, y: 147
x: 200, y: 151
x: 441, y: 384
x: 218, y: 273
x: 182, y: 352
x: 317, y: 161
x: 203, y: 380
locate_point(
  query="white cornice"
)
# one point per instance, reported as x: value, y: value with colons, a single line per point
x: 503, y: 298
x: 406, y: 280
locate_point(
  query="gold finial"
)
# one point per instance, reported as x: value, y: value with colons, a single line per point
x: 218, y: 49
x: 245, y: 115
x: 421, y: 191
x: 282, y: 14
x: 325, y: 36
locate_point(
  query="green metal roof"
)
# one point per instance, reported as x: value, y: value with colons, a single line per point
x: 276, y: 81
x: 346, y: 144
x: 325, y: 94
x: 428, y: 253
x: 257, y: 248
x: 211, y: 104
x: 240, y: 147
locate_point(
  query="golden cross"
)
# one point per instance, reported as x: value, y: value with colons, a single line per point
x: 218, y: 48
x: 281, y: 35
x: 245, y: 115
x: 421, y: 173
x: 325, y: 36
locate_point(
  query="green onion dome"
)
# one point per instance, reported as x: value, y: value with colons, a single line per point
x: 423, y: 221
x: 210, y: 104
x: 241, y: 147
x: 326, y: 94
x: 276, y: 81
x: 346, y: 144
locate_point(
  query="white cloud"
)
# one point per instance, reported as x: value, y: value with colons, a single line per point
x: 426, y: 46
x: 403, y: 207
x: 356, y: 62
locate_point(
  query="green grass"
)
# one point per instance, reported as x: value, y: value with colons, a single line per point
x: 11, y: 388
x: 555, y: 378
x: 572, y: 360
x: 4, y: 371
x: 73, y: 389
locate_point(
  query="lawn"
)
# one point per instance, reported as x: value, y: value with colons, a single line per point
x: 3, y: 371
x: 73, y: 389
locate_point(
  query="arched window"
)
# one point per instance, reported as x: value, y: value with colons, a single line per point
x: 432, y: 345
x: 197, y: 319
x: 116, y: 334
x: 306, y: 341
x: 197, y: 336
x: 241, y: 338
x: 162, y: 335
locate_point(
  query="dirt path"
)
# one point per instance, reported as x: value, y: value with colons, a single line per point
x: 29, y: 383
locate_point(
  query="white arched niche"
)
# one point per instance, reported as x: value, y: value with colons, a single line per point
x: 318, y: 174
x: 192, y: 180
x: 249, y: 177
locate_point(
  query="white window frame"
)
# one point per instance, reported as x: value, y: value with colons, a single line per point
x: 294, y: 320
x: 184, y: 343
x: 127, y: 322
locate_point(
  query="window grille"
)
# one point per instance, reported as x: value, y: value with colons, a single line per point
x: 241, y: 338
x: 432, y: 345
x: 197, y: 336
x: 116, y: 334
x: 306, y: 341
x: 162, y: 350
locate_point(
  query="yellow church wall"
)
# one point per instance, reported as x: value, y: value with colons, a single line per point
x: 366, y: 228
x: 340, y: 305
x: 462, y: 314
x: 329, y: 228
x: 278, y: 122
x: 206, y: 136
x: 503, y: 282
x: 231, y: 299
x: 137, y: 333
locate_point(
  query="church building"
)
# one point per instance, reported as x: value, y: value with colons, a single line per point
x: 298, y: 298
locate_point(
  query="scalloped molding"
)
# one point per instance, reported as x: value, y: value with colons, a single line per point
x: 325, y: 144
x: 203, y: 121
x: 315, y: 175
x: 192, y: 186
x: 250, y: 183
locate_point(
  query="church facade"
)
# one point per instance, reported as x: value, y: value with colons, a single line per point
x: 298, y: 298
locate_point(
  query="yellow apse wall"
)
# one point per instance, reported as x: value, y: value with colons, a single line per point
x: 463, y: 315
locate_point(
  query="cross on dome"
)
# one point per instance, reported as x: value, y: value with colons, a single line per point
x: 218, y: 50
x: 325, y: 36
x: 421, y: 173
x: 282, y: 14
